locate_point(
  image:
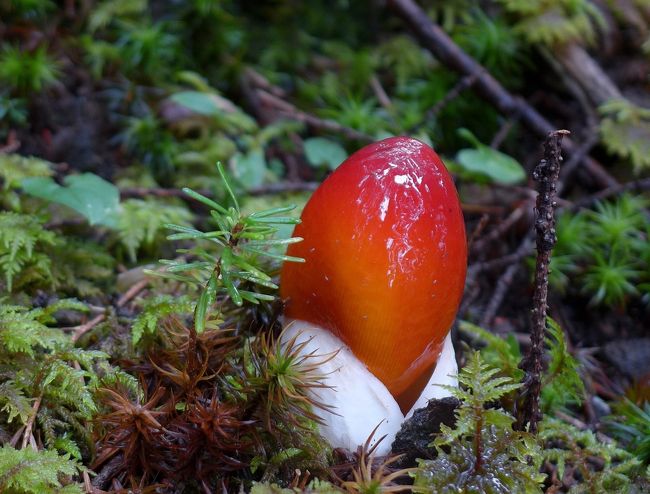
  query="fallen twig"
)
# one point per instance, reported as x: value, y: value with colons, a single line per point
x: 132, y: 292
x: 287, y: 110
x: 477, y: 230
x: 465, y: 83
x: 502, y: 227
x: 546, y: 174
x: 129, y: 295
x: 106, y: 473
x: 30, y: 422
x: 503, y: 132
x: 504, y: 282
x: 640, y: 185
x: 88, y: 488
x: 499, y: 262
x: 579, y: 424
x: 82, y: 329
x: 380, y: 93
x: 16, y: 437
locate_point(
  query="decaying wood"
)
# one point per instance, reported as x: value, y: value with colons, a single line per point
x: 584, y: 70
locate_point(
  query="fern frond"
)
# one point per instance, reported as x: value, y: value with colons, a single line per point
x: 625, y: 131
x: 67, y: 446
x: 116, y: 378
x: 80, y: 267
x: 19, y: 236
x: 481, y: 385
x: 22, y: 332
x: 62, y: 304
x: 14, y: 402
x: 142, y: 223
x: 482, y: 453
x: 578, y: 448
x: 562, y: 384
x: 26, y: 471
x: 156, y: 309
x: 503, y: 353
x: 49, y: 425
x: 14, y: 168
x: 553, y: 22
x: 67, y: 385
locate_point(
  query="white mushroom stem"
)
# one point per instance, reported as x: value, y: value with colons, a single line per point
x: 360, y: 400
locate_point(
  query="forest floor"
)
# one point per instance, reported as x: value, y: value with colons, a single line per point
x: 109, y: 109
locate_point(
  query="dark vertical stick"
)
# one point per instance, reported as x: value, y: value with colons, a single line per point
x: 546, y: 174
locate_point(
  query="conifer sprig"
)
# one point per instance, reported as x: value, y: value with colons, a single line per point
x: 230, y: 260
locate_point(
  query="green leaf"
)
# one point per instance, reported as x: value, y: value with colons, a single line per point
x: 320, y: 151
x: 202, y: 103
x: 205, y: 200
x: 493, y: 164
x: 205, y: 300
x: 226, y: 184
x: 88, y: 194
x: 250, y: 168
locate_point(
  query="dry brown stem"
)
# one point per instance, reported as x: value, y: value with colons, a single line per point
x: 546, y: 174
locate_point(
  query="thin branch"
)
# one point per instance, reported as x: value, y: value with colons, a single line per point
x: 504, y: 282
x: 465, y: 83
x: 132, y: 292
x: 502, y: 227
x: 82, y: 329
x: 380, y: 93
x: 88, y: 487
x: 129, y: 295
x: 287, y: 110
x: 641, y: 185
x: 503, y: 132
x: 579, y: 424
x: 283, y: 187
x: 546, y: 174
x: 498, y: 263
x: 30, y: 423
x: 477, y: 230
x: 102, y: 479
x: 16, y: 437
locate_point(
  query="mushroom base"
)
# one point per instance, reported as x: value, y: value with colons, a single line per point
x: 361, y: 401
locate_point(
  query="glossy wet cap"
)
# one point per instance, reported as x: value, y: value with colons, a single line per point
x: 385, y: 250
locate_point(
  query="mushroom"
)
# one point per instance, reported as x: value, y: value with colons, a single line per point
x: 386, y: 255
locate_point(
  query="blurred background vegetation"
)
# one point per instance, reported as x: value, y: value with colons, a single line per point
x: 108, y: 108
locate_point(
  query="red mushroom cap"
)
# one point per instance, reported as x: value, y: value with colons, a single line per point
x: 386, y: 255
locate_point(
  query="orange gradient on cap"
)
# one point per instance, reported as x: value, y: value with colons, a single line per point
x: 385, y: 250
